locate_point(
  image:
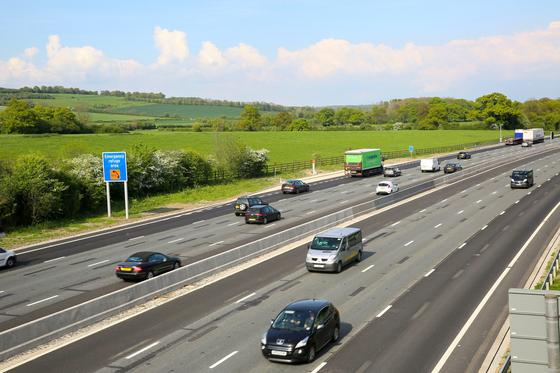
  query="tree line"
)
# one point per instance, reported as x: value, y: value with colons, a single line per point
x: 34, y: 189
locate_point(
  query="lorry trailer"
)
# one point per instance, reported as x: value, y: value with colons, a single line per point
x: 363, y: 162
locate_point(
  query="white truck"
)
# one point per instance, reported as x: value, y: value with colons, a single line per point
x: 429, y: 165
x: 533, y: 135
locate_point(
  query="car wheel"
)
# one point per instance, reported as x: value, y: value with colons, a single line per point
x: 311, y: 354
x: 297, y: 191
x: 175, y: 265
x: 283, y: 192
x: 336, y: 334
x: 10, y: 262
x: 359, y: 256
x: 150, y: 275
x: 279, y: 216
x: 339, y: 267
x: 265, y: 221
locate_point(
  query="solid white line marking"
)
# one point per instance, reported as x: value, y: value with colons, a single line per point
x: 479, y: 201
x: 460, y: 212
x: 319, y: 367
x: 368, y: 268
x: 135, y: 238
x: 384, y: 310
x: 528, y: 193
x: 54, y: 260
x: 101, y: 262
x: 462, y: 245
x: 142, y: 350
x: 229, y: 225
x: 42, y: 300
x: 463, y: 191
x: 422, y: 210
x: 494, y: 192
x: 444, y: 200
x: 222, y: 360
x: 430, y: 272
x: 396, y: 223
x: 177, y: 240
x: 199, y: 221
x: 488, y: 295
x: 437, y: 225
x: 538, y: 186
x: 216, y: 243
x: 408, y: 243
x: 341, y: 202
x: 503, y: 212
x: 516, y: 202
x: 477, y: 185
x: 483, y: 228
x: 245, y: 298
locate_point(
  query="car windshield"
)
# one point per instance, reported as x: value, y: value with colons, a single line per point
x: 241, y: 200
x: 518, y: 175
x: 135, y: 259
x: 294, y: 320
x: 325, y: 243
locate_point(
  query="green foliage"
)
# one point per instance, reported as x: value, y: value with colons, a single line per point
x: 496, y: 108
x: 282, y: 120
x: 250, y: 119
x: 543, y: 113
x: 236, y: 159
x: 325, y: 117
x: 300, y: 124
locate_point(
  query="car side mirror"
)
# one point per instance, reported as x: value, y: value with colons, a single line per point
x: 320, y: 326
x: 271, y: 321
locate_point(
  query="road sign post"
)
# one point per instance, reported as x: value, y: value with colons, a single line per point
x: 115, y: 171
x: 411, y: 150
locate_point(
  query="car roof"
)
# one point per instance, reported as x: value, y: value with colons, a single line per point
x: 292, y: 180
x: 338, y: 232
x: 385, y: 182
x: 523, y: 170
x: 360, y: 151
x: 143, y: 254
x: 258, y: 206
x: 307, y: 304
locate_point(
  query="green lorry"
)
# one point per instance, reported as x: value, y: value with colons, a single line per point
x: 363, y: 162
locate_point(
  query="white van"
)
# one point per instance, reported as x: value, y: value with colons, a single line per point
x: 429, y: 165
x: 332, y: 249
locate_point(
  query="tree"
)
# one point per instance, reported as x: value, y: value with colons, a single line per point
x: 18, y: 117
x: 497, y: 108
x: 282, y: 120
x: 250, y: 119
x: 325, y: 117
x: 378, y: 114
x: 300, y: 124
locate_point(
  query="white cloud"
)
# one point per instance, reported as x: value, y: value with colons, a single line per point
x: 30, y: 52
x: 322, y: 69
x: 172, y: 45
x: 211, y: 56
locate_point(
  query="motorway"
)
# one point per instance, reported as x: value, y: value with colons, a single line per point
x: 427, y: 265
x: 55, y: 277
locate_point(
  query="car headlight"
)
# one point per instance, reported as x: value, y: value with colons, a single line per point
x: 263, y: 339
x: 331, y: 258
x: 513, y: 180
x: 302, y: 343
x: 524, y: 180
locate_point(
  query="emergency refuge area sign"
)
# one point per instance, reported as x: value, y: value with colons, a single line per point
x: 114, y: 167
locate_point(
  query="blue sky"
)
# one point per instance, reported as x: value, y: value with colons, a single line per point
x: 289, y: 52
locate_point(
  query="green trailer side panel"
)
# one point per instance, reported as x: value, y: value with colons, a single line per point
x: 353, y: 158
x: 371, y: 159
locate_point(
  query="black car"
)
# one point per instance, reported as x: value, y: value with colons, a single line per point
x: 145, y: 265
x: 452, y: 167
x: 301, y: 330
x: 294, y: 186
x: 391, y: 171
x: 243, y: 203
x: 522, y: 179
x: 463, y: 155
x: 262, y: 214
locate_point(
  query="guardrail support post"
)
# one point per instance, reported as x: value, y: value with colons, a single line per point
x: 552, y: 333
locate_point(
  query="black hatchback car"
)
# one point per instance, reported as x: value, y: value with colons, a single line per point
x: 452, y: 167
x: 145, y: 265
x: 262, y: 214
x: 294, y: 186
x: 463, y: 155
x: 243, y: 203
x: 301, y: 330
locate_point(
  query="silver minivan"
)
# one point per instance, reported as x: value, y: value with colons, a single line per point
x: 331, y: 250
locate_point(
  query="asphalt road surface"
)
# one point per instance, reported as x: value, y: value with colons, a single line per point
x: 427, y: 264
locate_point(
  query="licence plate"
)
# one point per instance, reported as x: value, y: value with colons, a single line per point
x: 319, y: 265
x: 124, y: 269
x: 278, y: 353
x: 252, y: 219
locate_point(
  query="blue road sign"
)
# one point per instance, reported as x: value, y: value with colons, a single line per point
x: 411, y: 148
x: 114, y: 167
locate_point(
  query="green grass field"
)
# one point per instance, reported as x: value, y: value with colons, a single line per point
x: 183, y: 111
x: 110, y: 117
x: 283, y: 146
x: 69, y: 100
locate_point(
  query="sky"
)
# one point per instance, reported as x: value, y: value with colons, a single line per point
x: 306, y: 52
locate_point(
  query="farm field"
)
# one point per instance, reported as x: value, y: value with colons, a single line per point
x: 283, y: 146
x: 183, y: 111
x: 110, y: 117
x: 73, y: 100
